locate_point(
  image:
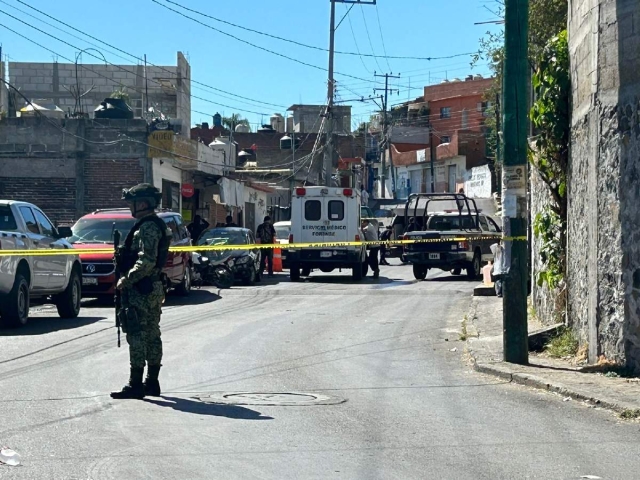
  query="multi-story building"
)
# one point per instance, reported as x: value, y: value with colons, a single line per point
x: 448, y: 121
x: 166, y: 89
x: 308, y: 118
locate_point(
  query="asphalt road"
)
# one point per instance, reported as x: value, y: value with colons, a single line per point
x: 337, y: 380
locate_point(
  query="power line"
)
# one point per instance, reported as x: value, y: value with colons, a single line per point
x: 366, y: 27
x: 384, y: 47
x: 134, y: 56
x: 273, y: 52
x: 300, y: 44
x: 112, y: 64
x: 355, y: 41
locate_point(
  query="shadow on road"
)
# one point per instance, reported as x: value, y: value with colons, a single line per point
x: 347, y: 280
x: 212, y: 409
x: 44, y: 325
x: 196, y: 297
x: 451, y: 278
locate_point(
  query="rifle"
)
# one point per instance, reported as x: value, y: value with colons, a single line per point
x: 117, y: 298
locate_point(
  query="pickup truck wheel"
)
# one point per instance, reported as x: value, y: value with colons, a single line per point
x: 456, y: 271
x: 184, y: 288
x: 68, y: 302
x: 475, y: 269
x: 420, y: 272
x: 356, y: 272
x: 15, y: 311
x: 294, y: 273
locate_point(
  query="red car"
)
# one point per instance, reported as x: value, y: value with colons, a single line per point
x: 95, y: 230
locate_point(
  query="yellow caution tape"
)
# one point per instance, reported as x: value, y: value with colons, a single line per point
x: 292, y: 246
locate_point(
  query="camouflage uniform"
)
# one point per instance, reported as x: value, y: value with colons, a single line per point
x: 140, y: 262
x: 147, y: 344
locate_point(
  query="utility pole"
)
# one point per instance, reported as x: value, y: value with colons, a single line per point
x: 146, y: 88
x: 514, y: 181
x: 328, y: 153
x: 385, y: 125
x: 432, y: 158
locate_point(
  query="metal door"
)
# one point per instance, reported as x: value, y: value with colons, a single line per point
x: 452, y: 178
x: 57, y: 264
x: 41, y: 265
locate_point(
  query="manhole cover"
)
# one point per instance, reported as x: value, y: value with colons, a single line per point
x: 281, y: 399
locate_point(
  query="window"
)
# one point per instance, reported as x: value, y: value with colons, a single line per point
x: 7, y: 221
x: 483, y: 223
x: 312, y: 210
x: 445, y: 112
x: 29, y: 219
x: 171, y: 223
x: 445, y: 139
x: 182, y: 230
x: 336, y: 210
x: 170, y: 195
x: 45, y: 225
x: 493, y: 226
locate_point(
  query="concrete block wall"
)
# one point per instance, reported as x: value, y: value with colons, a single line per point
x: 52, y: 81
x: 603, y: 275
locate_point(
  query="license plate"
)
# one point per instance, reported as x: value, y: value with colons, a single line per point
x: 89, y: 281
x: 434, y: 256
x: 325, y: 254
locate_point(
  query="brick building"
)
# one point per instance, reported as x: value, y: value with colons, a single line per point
x: 71, y: 167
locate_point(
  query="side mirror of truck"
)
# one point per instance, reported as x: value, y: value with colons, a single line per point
x: 64, y: 232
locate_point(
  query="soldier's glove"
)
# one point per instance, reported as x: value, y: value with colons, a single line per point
x: 123, y: 283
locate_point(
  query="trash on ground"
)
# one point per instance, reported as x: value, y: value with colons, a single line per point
x: 454, y: 349
x: 9, y: 457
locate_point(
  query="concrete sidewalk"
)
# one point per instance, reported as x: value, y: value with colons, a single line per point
x: 484, y: 334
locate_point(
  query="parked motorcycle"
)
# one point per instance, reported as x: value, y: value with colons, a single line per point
x: 212, y: 270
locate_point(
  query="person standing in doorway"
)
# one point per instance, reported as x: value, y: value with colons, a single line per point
x: 371, y: 235
x: 266, y: 235
x: 365, y: 196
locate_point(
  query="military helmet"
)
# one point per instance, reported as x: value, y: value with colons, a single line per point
x: 142, y: 191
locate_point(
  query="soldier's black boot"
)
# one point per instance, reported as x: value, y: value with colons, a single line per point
x: 134, y: 389
x: 151, y: 383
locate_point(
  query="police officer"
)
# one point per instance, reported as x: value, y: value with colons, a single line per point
x: 140, y: 261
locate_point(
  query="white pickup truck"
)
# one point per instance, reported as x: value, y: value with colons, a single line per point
x: 34, y: 279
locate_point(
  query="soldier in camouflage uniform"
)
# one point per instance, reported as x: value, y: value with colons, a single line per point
x: 140, y: 261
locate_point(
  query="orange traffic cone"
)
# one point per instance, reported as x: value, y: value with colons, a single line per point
x: 277, y: 260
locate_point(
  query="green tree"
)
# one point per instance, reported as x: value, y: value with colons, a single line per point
x: 547, y: 18
x: 234, y: 120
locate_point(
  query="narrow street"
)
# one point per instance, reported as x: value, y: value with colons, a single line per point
x: 340, y: 380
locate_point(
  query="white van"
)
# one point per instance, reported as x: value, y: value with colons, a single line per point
x: 321, y: 215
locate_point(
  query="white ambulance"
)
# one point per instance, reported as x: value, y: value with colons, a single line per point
x: 326, y: 215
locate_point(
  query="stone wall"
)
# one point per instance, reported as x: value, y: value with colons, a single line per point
x: 544, y: 300
x: 604, y: 178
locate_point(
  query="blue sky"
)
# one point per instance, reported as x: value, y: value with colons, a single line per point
x: 423, y: 28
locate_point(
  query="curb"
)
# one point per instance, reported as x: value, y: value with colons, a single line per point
x: 534, y: 381
x: 506, y: 371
